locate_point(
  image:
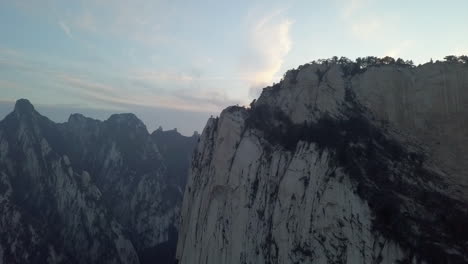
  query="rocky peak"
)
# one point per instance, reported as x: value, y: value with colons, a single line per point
x: 172, y: 132
x: 23, y: 106
x: 82, y: 124
x: 99, y: 192
x: 77, y: 118
x: 340, y: 162
x: 24, y: 113
x: 126, y: 119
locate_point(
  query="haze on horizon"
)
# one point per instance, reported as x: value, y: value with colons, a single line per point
x: 175, y: 63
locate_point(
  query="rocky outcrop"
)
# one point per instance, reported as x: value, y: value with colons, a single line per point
x: 130, y: 173
x: 84, y: 191
x: 335, y: 166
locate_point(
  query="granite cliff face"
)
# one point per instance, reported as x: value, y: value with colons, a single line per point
x: 334, y: 165
x: 84, y: 191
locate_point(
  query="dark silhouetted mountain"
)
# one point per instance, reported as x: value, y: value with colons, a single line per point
x: 177, y: 152
x: 85, y: 191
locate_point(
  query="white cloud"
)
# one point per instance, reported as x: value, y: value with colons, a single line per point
x: 269, y: 41
x: 399, y: 50
x: 65, y: 29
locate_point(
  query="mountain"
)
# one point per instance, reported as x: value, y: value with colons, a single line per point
x: 86, y: 191
x: 177, y: 151
x: 340, y: 162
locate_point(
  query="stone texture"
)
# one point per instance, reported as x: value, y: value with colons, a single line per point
x: 333, y: 168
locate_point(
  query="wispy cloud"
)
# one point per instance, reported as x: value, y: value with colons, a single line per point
x: 158, y: 76
x: 269, y: 42
x: 201, y: 100
x: 78, y: 81
x: 362, y: 24
x: 351, y: 7
x: 379, y: 30
x: 85, y: 21
x: 12, y: 59
x: 65, y: 28
x: 9, y: 52
x: 138, y: 20
x: 148, y: 88
x: 4, y: 84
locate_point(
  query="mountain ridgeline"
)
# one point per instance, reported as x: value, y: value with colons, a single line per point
x: 89, y: 191
x: 340, y: 162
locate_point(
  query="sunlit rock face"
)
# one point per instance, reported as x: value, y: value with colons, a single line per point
x: 335, y: 166
x: 84, y: 191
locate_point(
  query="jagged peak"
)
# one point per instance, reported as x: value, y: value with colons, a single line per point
x: 233, y: 108
x: 173, y: 132
x: 126, y: 119
x: 160, y: 130
x: 23, y: 106
x: 79, y: 118
x: 76, y: 116
x: 122, y: 117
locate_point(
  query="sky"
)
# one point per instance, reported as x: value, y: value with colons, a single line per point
x: 175, y: 63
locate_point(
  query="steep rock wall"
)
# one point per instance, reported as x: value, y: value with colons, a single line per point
x: 328, y: 167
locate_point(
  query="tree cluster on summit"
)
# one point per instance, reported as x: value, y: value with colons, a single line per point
x: 365, y: 62
x: 361, y: 64
x: 455, y: 59
x: 368, y: 61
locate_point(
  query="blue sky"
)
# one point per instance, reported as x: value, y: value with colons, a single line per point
x: 175, y: 63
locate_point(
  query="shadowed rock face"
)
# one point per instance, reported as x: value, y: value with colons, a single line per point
x: 332, y: 167
x: 23, y: 106
x: 177, y: 152
x: 84, y: 191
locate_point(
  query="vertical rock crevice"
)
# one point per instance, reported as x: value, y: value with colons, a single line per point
x: 339, y: 180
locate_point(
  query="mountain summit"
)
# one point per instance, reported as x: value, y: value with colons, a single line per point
x: 24, y: 106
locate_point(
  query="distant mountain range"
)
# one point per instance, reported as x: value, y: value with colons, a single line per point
x: 89, y: 191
